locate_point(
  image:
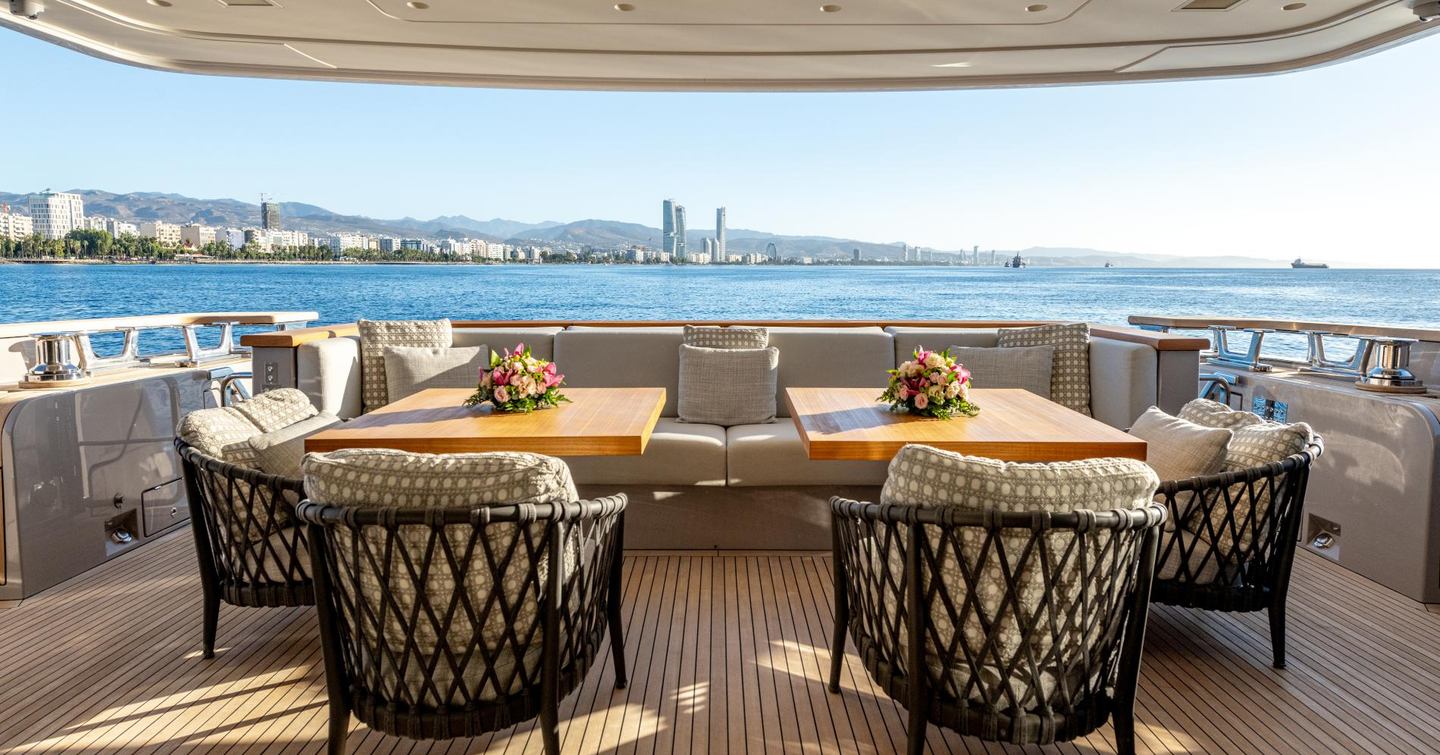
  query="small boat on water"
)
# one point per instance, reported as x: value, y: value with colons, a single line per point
x: 1300, y: 264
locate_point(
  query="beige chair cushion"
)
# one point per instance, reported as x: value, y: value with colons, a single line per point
x: 279, y: 452
x: 411, y: 369
x: 275, y: 409
x: 377, y: 335
x: 728, y: 386
x: 384, y: 478
x: 710, y: 337
x: 1027, y: 367
x: 772, y: 454
x: 679, y: 453
x: 1070, y: 376
x: 1179, y: 450
x: 1215, y: 414
x: 926, y: 477
x: 222, y: 433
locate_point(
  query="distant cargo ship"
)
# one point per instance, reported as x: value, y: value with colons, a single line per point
x: 1300, y: 264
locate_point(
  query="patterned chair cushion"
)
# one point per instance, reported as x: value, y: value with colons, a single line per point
x: 1070, y: 373
x: 1256, y: 442
x: 280, y: 452
x: 222, y: 433
x: 382, y: 478
x: 376, y: 336
x: 928, y: 477
x: 411, y: 369
x: 273, y: 410
x: 709, y: 337
x: 728, y: 386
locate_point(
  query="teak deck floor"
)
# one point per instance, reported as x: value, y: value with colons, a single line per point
x: 728, y: 653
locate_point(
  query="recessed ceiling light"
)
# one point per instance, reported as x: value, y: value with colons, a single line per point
x: 1036, y: 8
x: 829, y: 9
x: 160, y: 3
x: 624, y: 7
x: 951, y: 65
x: 1292, y: 6
x: 418, y: 4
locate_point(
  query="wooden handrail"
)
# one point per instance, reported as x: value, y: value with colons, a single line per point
x: 23, y: 329
x: 289, y: 339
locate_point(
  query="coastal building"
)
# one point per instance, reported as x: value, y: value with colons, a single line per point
x: 672, y: 228
x: 340, y: 242
x: 269, y: 214
x: 54, y: 214
x: 196, y: 236
x: 388, y: 244
x: 94, y: 222
x: 855, y: 255
x: 719, y: 252
x: 256, y: 237
x: 231, y: 237
x: 14, y: 226
x: 165, y: 233
x: 773, y: 252
x: 118, y: 228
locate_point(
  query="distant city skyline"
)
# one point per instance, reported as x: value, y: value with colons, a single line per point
x: 1329, y: 164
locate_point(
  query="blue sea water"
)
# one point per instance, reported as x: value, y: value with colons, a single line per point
x: 341, y: 293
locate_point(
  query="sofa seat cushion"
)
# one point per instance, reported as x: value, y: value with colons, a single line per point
x: 772, y: 454
x: 679, y: 453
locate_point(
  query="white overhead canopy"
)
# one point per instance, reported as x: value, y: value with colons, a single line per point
x: 724, y: 44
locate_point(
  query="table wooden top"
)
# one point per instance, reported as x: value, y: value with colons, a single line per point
x: 597, y: 422
x: 1013, y: 425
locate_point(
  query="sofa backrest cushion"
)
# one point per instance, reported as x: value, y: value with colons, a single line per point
x: 825, y: 357
x: 541, y: 340
x: 622, y: 357
x: 1124, y: 380
x: 328, y: 371
x: 908, y: 339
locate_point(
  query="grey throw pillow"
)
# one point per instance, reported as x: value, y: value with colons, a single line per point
x: 711, y: 337
x: 280, y: 452
x: 1027, y: 367
x: 411, y: 369
x: 376, y: 335
x: 728, y: 386
x: 1070, y: 372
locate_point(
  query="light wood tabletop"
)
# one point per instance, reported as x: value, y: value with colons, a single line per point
x: 1013, y: 425
x: 596, y: 422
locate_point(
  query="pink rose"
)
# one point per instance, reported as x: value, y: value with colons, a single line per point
x: 904, y: 393
x: 502, y: 395
x: 921, y: 401
x: 500, y: 376
x: 484, y: 378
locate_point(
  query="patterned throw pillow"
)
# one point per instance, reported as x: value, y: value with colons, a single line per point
x: 382, y: 478
x: 728, y: 386
x: 1070, y: 375
x: 928, y: 477
x: 1256, y: 442
x: 376, y: 335
x: 710, y: 337
x: 222, y: 433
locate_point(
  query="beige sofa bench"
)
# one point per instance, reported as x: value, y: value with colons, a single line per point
x: 746, y: 486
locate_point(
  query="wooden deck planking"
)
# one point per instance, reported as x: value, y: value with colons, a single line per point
x: 728, y: 653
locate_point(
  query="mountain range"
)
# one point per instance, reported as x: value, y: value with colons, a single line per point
x: 139, y: 207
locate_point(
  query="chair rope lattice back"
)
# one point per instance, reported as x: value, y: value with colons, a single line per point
x: 452, y: 622
x: 1019, y: 627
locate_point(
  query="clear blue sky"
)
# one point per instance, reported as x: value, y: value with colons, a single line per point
x: 1339, y: 163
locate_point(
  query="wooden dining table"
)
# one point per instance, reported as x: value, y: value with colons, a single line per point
x: 1013, y: 425
x: 596, y: 422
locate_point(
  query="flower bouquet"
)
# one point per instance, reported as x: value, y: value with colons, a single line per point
x: 933, y: 384
x: 518, y: 382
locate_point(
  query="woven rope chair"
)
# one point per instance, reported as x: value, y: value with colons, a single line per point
x: 416, y: 645
x: 939, y: 647
x: 251, y: 549
x: 1233, y: 544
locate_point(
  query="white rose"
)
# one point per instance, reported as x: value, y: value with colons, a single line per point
x: 937, y: 392
x: 933, y: 360
x: 952, y: 390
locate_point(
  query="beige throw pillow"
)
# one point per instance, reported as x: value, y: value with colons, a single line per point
x: 411, y: 369
x: 1179, y: 450
x: 1027, y: 367
x: 728, y: 386
x: 1070, y: 371
x: 376, y: 336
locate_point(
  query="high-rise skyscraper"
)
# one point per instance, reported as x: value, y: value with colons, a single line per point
x: 269, y: 214
x: 720, y: 233
x: 680, y: 231
x: 672, y: 228
x: 54, y: 214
